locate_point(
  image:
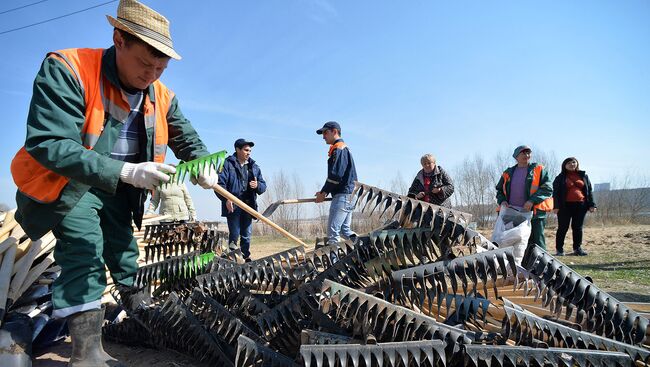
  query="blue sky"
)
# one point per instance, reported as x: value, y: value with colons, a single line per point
x: 403, y: 78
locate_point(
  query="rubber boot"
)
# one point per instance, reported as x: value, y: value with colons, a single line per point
x: 86, y: 333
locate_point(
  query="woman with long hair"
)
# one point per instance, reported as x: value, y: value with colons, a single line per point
x: 572, y: 199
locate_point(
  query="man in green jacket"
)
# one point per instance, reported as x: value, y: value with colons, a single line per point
x: 104, y: 165
x: 526, y: 186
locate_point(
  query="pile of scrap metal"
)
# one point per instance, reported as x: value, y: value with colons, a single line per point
x: 27, y: 270
x: 423, y: 290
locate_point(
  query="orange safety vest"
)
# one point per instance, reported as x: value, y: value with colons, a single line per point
x: 101, y: 97
x: 547, y: 204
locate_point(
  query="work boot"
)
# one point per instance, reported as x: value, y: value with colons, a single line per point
x: 86, y: 333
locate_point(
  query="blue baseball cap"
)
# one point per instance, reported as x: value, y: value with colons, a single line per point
x: 329, y: 126
x: 240, y: 143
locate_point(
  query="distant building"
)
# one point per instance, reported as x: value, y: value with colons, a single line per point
x: 602, y: 186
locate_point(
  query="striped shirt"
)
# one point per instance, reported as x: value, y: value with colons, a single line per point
x: 127, y: 147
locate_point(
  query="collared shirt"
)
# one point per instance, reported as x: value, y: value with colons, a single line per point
x: 127, y: 147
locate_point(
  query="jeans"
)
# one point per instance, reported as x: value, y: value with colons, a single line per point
x: 573, y: 213
x: 240, y: 227
x: 340, y: 218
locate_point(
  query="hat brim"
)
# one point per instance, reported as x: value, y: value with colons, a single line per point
x: 155, y: 44
x: 321, y: 130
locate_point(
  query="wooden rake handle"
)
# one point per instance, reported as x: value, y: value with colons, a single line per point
x: 223, y: 192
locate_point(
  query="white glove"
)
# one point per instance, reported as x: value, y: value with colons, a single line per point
x: 206, y: 180
x: 146, y: 175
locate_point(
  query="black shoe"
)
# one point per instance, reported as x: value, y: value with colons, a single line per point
x: 580, y: 252
x: 247, y: 259
x: 559, y: 253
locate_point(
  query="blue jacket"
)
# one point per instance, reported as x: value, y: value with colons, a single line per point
x: 341, y: 172
x: 235, y: 179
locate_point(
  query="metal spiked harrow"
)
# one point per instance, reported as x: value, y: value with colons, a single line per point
x: 184, y: 238
x: 525, y: 328
x: 414, y: 285
x: 409, y: 212
x: 308, y: 336
x: 364, y: 314
x: 130, y: 332
x: 281, y: 326
x: 218, y: 321
x: 502, y: 356
x: 598, y: 311
x: 276, y: 272
x: 176, y: 273
x: 251, y: 353
x: 427, y: 353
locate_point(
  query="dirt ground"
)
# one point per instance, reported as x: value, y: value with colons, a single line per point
x: 618, y: 261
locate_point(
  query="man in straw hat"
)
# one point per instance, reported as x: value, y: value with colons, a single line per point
x: 98, y: 128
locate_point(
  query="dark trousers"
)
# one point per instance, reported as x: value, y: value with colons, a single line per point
x: 537, y: 232
x: 573, y: 213
x: 240, y: 228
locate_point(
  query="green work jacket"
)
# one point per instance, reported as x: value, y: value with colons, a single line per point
x: 56, y: 116
x: 544, y: 191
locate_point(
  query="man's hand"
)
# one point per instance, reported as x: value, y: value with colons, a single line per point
x: 253, y: 184
x: 420, y: 195
x: 528, y: 206
x: 436, y: 190
x: 320, y: 196
x: 146, y: 175
x: 206, y: 180
x: 230, y: 206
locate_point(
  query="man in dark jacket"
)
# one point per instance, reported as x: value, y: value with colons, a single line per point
x: 341, y: 175
x: 242, y: 177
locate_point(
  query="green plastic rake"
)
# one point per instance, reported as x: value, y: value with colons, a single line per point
x: 196, y: 166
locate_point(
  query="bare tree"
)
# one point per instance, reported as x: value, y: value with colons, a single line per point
x: 297, y: 191
x: 398, y: 185
x: 474, y: 183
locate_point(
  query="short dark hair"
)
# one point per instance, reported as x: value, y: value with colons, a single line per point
x: 130, y: 39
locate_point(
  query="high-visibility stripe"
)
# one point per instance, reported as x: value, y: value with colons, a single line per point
x: 68, y: 64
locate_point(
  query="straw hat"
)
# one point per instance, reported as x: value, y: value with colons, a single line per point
x: 146, y: 24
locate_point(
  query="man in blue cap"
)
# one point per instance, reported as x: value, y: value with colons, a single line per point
x: 341, y: 175
x: 242, y: 177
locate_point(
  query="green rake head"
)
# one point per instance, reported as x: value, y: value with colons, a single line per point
x: 196, y: 166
